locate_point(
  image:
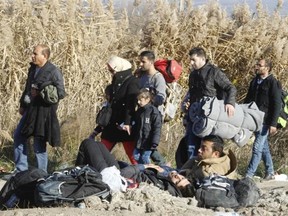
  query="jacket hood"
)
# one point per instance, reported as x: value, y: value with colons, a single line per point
x: 119, y: 64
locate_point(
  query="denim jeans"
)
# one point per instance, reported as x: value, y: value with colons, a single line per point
x: 193, y: 141
x: 142, y: 156
x: 20, y: 149
x: 157, y: 158
x: 261, y: 151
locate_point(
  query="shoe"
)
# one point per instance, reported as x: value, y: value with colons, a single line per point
x: 269, y: 177
x: 8, y: 176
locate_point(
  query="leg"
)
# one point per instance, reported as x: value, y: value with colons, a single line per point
x: 96, y: 155
x: 267, y: 158
x: 193, y: 142
x: 20, y: 148
x: 41, y: 153
x: 157, y: 158
x: 258, y: 146
x: 136, y: 154
x: 145, y: 156
x: 129, y: 148
x: 109, y: 145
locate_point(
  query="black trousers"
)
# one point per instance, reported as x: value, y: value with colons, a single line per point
x: 95, y: 154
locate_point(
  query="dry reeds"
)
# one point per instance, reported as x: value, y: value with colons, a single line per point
x: 83, y: 34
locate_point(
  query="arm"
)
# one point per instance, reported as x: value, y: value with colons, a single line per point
x: 131, y: 101
x: 224, y: 83
x: 274, y: 104
x: 59, y: 83
x: 160, y: 87
x: 156, y: 128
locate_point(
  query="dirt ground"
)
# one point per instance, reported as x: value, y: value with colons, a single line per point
x: 149, y: 200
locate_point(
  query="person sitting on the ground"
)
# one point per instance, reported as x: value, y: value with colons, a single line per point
x: 211, y: 160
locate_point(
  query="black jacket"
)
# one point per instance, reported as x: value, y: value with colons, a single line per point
x: 124, y: 99
x: 267, y: 96
x: 41, y: 118
x: 211, y: 81
x: 147, y: 128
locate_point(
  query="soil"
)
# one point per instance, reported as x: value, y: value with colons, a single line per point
x: 149, y: 200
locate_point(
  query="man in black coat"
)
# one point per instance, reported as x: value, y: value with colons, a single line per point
x: 39, y: 117
x: 205, y: 80
x: 265, y: 90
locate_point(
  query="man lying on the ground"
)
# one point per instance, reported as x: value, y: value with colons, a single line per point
x: 210, y: 160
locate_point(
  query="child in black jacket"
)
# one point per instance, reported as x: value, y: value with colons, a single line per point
x: 147, y: 128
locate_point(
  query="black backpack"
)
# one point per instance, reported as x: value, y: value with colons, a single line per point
x: 247, y: 192
x: 72, y: 185
x: 216, y: 191
x: 19, y: 189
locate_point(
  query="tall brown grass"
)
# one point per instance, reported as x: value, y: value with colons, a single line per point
x: 83, y: 34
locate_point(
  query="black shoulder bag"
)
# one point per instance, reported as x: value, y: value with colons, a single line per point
x: 104, y: 115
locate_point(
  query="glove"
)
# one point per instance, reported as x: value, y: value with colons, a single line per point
x: 93, y: 135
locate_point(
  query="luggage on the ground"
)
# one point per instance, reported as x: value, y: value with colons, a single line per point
x: 18, y: 191
x: 216, y: 191
x: 71, y: 185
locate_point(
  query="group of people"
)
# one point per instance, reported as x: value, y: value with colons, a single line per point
x: 136, y: 100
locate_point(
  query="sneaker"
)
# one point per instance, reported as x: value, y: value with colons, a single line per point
x: 8, y: 176
x: 269, y: 177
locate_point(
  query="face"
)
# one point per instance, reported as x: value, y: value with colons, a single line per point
x: 38, y: 58
x: 206, y: 151
x: 260, y: 67
x: 197, y: 62
x: 143, y: 101
x: 179, y: 180
x: 145, y: 63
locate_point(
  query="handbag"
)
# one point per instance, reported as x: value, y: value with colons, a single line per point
x: 104, y: 115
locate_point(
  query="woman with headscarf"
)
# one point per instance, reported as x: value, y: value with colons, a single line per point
x: 125, y: 88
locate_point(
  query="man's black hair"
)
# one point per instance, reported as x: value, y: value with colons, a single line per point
x: 218, y: 143
x: 199, y: 51
x: 188, y: 191
x: 149, y: 54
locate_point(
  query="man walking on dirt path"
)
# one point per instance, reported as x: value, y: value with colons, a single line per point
x: 264, y: 89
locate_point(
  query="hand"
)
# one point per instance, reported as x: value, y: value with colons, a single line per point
x: 158, y: 168
x: 93, y: 135
x: 21, y: 110
x: 187, y: 105
x: 272, y: 130
x: 229, y: 109
x: 34, y: 92
x: 127, y: 128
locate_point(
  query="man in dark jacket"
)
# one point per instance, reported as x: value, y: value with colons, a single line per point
x: 39, y: 117
x: 265, y: 90
x: 206, y: 79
